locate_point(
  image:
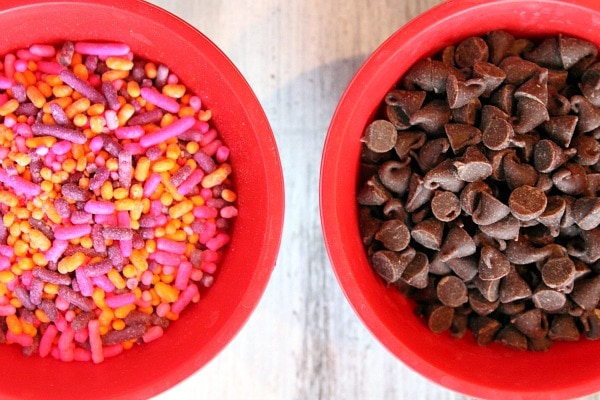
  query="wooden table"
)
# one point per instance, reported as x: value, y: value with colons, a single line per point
x: 303, y: 341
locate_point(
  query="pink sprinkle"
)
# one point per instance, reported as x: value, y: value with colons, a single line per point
x: 81, y: 336
x: 153, y: 333
x: 129, y: 132
x: 9, y: 65
x: 153, y: 96
x: 229, y: 212
x: 171, y: 245
x: 47, y: 340
x: 62, y: 303
x: 23, y: 130
x: 196, y: 275
x: 96, y: 144
x: 192, y: 181
x: 58, y: 248
x: 185, y: 298
x: 205, y: 212
x: 183, y: 275
x: 196, y: 103
x: 65, y: 344
x: 62, y: 147
x: 7, y: 251
x: 112, y: 121
x: 5, y: 82
x: 49, y: 67
x: 25, y: 54
x: 42, y: 50
x: 106, y: 219
x: 218, y: 241
x: 22, y: 338
x: 135, y: 149
x: 19, y: 184
x: 208, y: 137
x: 62, y: 232
x: 20, y: 65
x: 166, y: 258
x: 163, y: 309
x: 208, y: 266
x: 7, y: 309
x: 104, y: 283
x: 81, y: 354
x: 162, y: 135
x: 95, y: 341
x: 102, y: 49
x: 84, y: 282
x: 120, y: 300
x: 99, y: 207
x: 112, y: 350
x: 222, y: 154
x: 61, y: 323
x: 151, y: 184
x: 147, y: 277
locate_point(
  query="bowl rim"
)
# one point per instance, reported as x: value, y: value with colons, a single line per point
x: 352, y: 100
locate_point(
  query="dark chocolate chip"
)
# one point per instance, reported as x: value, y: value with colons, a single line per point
x: 535, y: 88
x: 517, y: 173
x: 493, y: 264
x: 505, y: 229
x: 539, y: 345
x: 443, y: 176
x: 408, y: 141
x: 586, y: 149
x: 546, y: 53
x: 589, y: 115
x: 500, y: 44
x: 530, y: 114
x: 489, y: 210
x: 587, y: 292
x: 452, y: 291
x: 503, y: 97
x: 409, y: 101
x: 465, y: 268
x: 480, y: 304
x: 586, y: 212
x: 432, y: 153
x: 492, y: 76
x: 497, y: 134
x: 558, y: 272
x: 418, y: 193
x: 570, y: 179
x: 467, y: 114
x: 553, y: 213
x: 432, y: 117
x: 517, y: 69
x: 522, y: 252
x: 469, y: 196
x: 368, y: 225
x: 394, y: 235
x: 513, y: 287
x: 460, y: 93
x: 548, y: 156
x: 573, y: 50
x: 437, y: 266
x: 548, y: 299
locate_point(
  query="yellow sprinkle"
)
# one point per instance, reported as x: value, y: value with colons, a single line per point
x: 6, y: 276
x: 39, y: 241
x: 163, y: 165
x: 179, y: 209
x: 71, y: 263
x: 166, y: 292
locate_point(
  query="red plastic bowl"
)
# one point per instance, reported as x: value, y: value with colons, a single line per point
x: 569, y: 369
x: 207, y: 327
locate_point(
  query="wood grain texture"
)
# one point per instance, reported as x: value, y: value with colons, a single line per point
x: 303, y: 341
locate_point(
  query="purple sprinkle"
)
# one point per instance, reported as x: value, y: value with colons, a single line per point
x: 97, y: 239
x: 58, y: 114
x: 81, y: 86
x: 117, y: 233
x: 148, y: 117
x: 91, y: 62
x: 191, y: 135
x: 162, y: 73
x: 23, y: 295
x: 35, y: 167
x: 146, y: 233
x: 74, y: 192
x: 51, y: 276
x: 129, y: 333
x: 28, y: 109
x: 77, y: 299
x: 181, y: 175
x: 49, y: 308
x: 62, y: 207
x: 153, y: 153
x: 112, y: 147
x: 110, y: 93
x: 19, y: 92
x: 98, y: 268
x: 205, y: 162
x: 60, y: 132
x: 101, y: 175
x: 66, y: 54
x: 116, y: 256
x: 35, y: 291
x: 81, y: 217
x: 42, y: 227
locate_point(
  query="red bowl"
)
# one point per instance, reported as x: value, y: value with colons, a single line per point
x: 494, y: 372
x: 205, y: 328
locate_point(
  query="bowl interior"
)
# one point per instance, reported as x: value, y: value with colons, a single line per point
x: 205, y: 328
x: 568, y: 369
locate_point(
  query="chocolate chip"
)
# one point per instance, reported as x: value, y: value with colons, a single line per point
x: 395, y: 175
x: 469, y: 196
x: 428, y: 233
x: 443, y: 176
x: 497, y: 134
x: 563, y: 328
x: 445, y: 206
x: 516, y: 173
x: 429, y: 75
x: 573, y: 50
x: 517, y: 69
x: 458, y: 244
x: 535, y: 88
x: 473, y: 165
x: 408, y: 141
x: 530, y: 114
x: 437, y: 266
x: 470, y: 51
x: 546, y: 54
x: 527, y: 203
x: 418, y: 193
x: 570, y: 179
x: 587, y: 292
x: 589, y: 84
x: 548, y: 156
x: 417, y: 271
x: 491, y: 74
x: 548, y: 299
x: 493, y: 264
x: 380, y: 136
x: 533, y: 323
x: 409, y: 101
x: 589, y: 115
x: 505, y: 229
x: 465, y: 268
x: 558, y: 273
x: 460, y: 93
x: 586, y: 150
x: 373, y: 193
x: 462, y: 135
x: 432, y: 153
x: 511, y: 337
x: 390, y: 264
x: 553, y: 213
x: 394, y: 235
x: 440, y: 318
x: 467, y: 114
x: 503, y: 98
x: 500, y: 44
x: 585, y: 211
x: 452, y: 291
x: 480, y: 304
x: 489, y: 210
x: 490, y: 290
x: 484, y: 329
x: 513, y: 287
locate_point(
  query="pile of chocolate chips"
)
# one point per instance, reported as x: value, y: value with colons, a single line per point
x: 478, y: 193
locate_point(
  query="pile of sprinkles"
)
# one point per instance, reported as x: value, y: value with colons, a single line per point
x: 115, y: 198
